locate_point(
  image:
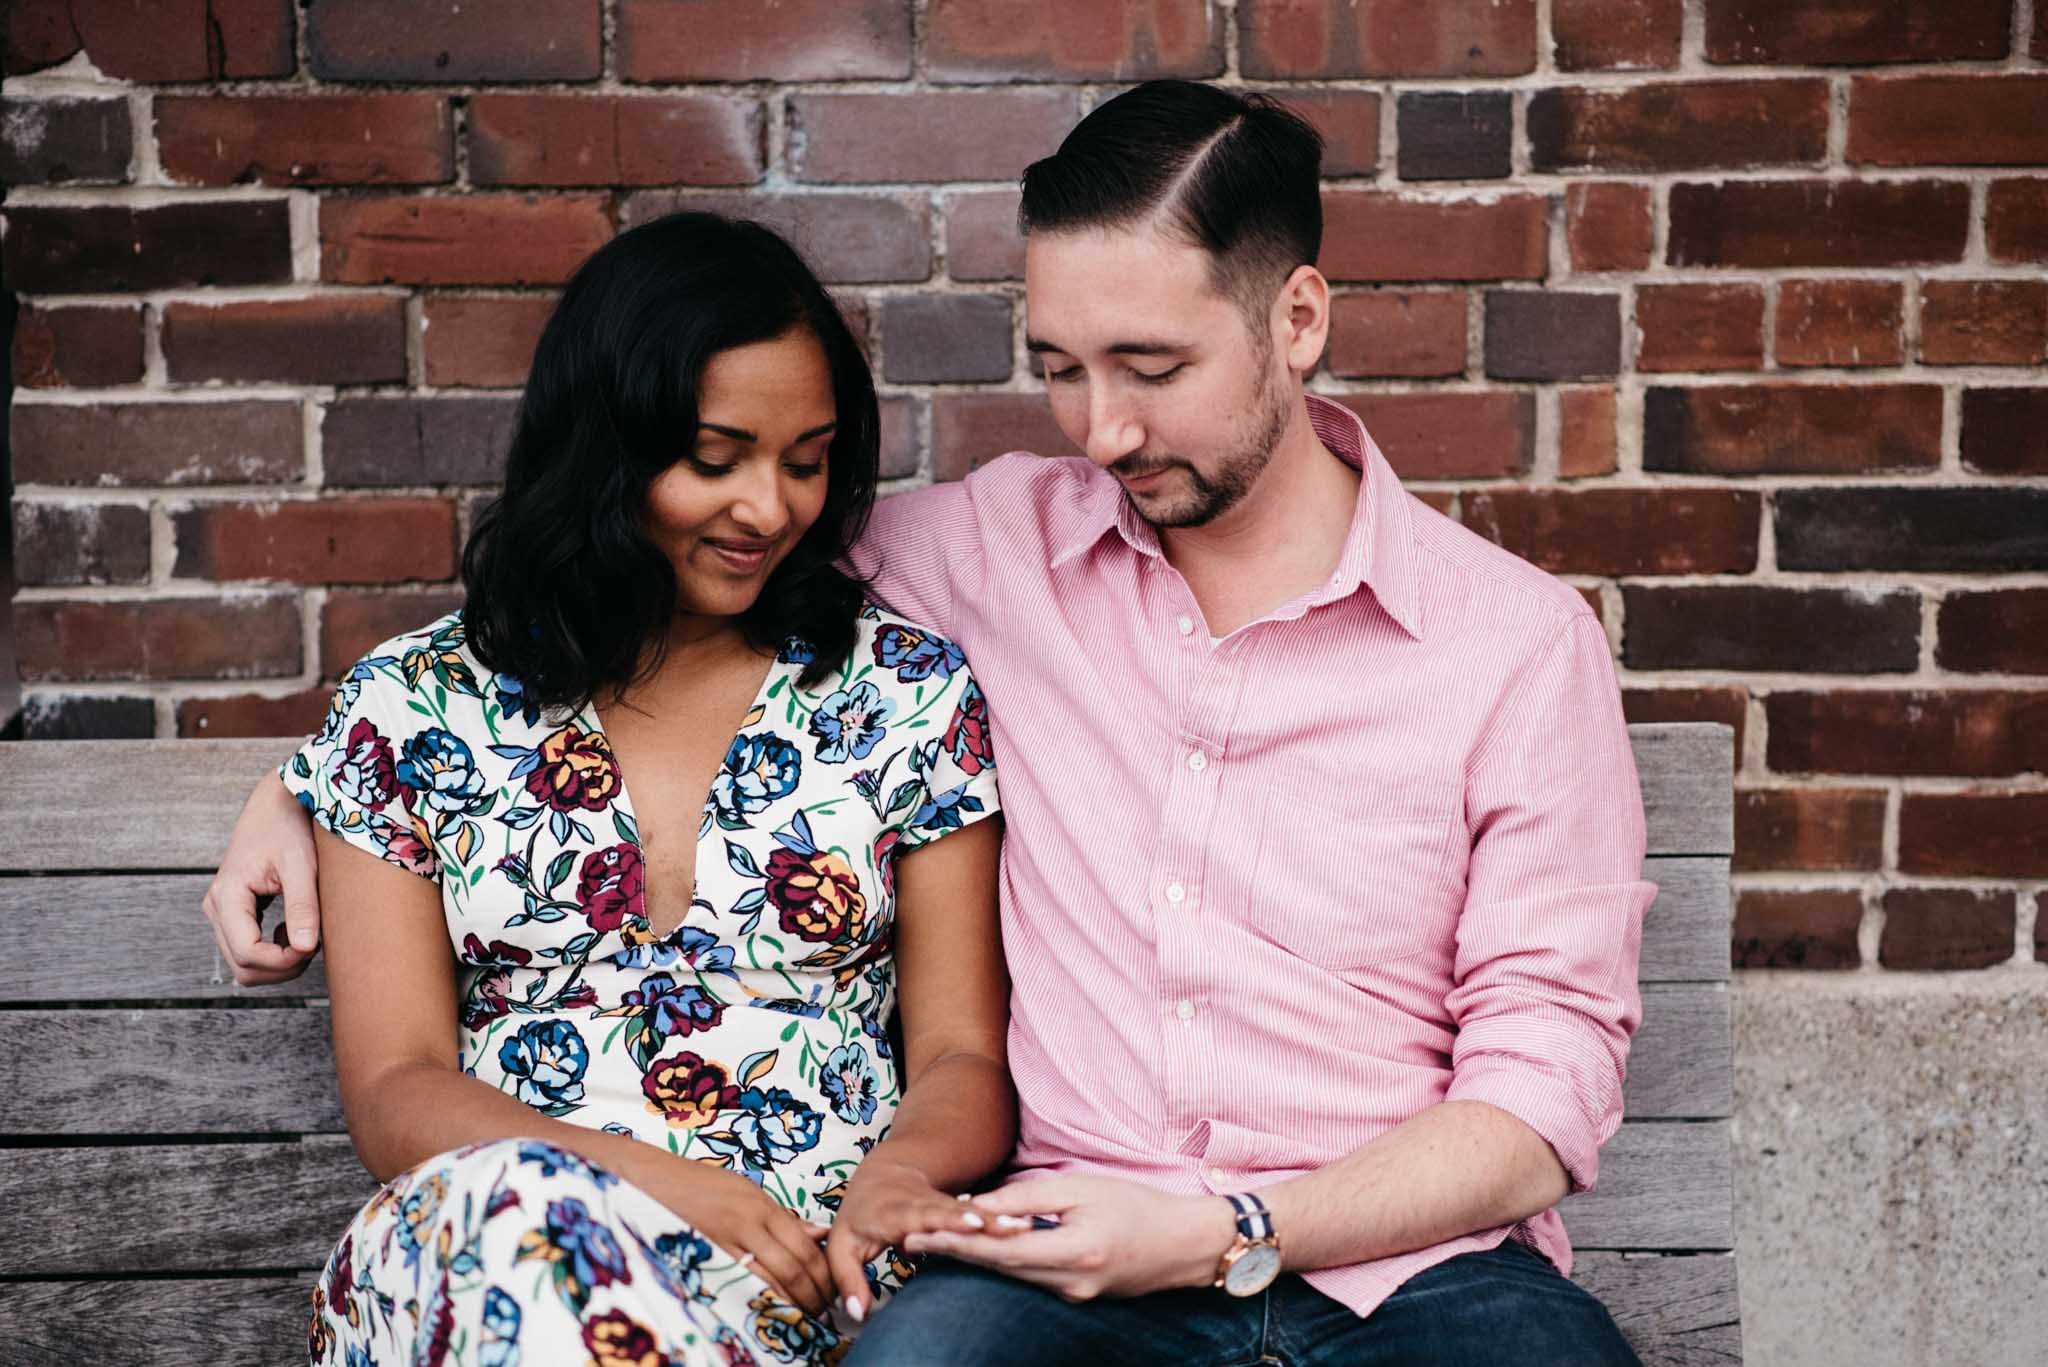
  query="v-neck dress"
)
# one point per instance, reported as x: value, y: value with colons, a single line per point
x: 752, y: 1037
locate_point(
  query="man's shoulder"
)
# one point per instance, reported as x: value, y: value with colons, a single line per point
x: 1496, y: 588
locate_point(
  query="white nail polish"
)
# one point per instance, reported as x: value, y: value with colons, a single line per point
x: 855, y: 1311
x: 1012, y: 1222
x: 961, y: 1197
x: 973, y: 1221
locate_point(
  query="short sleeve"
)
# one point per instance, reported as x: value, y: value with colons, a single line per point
x: 957, y: 770
x: 350, y: 775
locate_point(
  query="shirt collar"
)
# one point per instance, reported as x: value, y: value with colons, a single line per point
x: 1379, y: 549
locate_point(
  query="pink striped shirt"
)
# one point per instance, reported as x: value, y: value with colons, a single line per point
x: 1266, y: 898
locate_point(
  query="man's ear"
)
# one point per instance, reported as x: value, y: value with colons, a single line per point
x: 1302, y: 318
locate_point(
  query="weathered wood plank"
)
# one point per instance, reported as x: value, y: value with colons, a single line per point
x: 1675, y: 1311
x: 190, y: 1322
x: 1687, y: 772
x: 176, y: 1207
x: 125, y: 804
x: 1681, y: 1063
x: 148, y: 942
x: 1685, y: 931
x: 248, y: 1071
x: 1664, y: 1185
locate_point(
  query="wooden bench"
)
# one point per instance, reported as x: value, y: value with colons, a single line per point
x: 174, y: 1168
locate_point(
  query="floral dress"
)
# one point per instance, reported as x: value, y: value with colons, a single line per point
x: 753, y: 1037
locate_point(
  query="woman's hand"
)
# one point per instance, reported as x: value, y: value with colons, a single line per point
x: 775, y: 1244
x: 886, y: 1200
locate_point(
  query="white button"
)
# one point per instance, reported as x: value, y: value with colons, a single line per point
x: 1176, y: 894
x: 1197, y: 762
x: 1185, y: 1009
x: 1217, y: 1177
x: 1186, y: 625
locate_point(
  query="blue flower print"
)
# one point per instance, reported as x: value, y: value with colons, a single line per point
x: 358, y: 1357
x: 679, y: 1261
x: 758, y: 770
x: 339, y: 711
x: 548, y: 1058
x: 703, y: 952
x: 500, y: 1342
x: 849, y: 723
x: 550, y: 1160
x: 915, y: 654
x: 441, y: 768
x: 874, y: 1029
x: 849, y: 1084
x: 514, y: 700
x: 672, y: 1008
x: 797, y: 651
x: 941, y: 812
x: 773, y: 1127
x: 584, y: 1253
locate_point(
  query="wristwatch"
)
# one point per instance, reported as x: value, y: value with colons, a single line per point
x: 1252, y: 1261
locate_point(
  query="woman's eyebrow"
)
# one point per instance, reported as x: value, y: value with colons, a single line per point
x: 742, y: 434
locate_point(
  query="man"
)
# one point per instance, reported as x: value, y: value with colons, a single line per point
x: 1322, y: 874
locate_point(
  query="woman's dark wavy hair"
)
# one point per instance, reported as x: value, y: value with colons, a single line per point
x: 566, y: 592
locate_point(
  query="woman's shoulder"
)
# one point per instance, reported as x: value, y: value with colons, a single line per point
x: 432, y: 667
x: 912, y: 651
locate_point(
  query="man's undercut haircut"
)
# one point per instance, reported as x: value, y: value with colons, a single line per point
x: 1233, y: 173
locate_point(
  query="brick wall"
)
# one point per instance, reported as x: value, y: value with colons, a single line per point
x: 1729, y: 311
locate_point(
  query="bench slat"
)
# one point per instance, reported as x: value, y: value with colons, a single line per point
x: 1685, y: 931
x: 1681, y: 1064
x: 1664, y: 1184
x: 1675, y: 1311
x: 1687, y: 772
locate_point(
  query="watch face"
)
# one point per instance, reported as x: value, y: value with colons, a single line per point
x: 1254, y: 1272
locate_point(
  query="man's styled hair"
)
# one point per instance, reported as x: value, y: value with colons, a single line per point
x: 1235, y: 174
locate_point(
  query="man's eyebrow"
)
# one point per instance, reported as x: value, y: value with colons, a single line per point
x: 1134, y: 348
x: 742, y: 434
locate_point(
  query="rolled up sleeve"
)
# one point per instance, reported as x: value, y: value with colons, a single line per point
x: 1544, y: 993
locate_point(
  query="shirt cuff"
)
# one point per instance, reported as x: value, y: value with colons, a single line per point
x: 1542, y: 1099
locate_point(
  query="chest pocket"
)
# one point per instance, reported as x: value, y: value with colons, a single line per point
x: 1346, y: 893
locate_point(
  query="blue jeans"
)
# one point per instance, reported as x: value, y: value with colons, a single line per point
x: 1476, y: 1310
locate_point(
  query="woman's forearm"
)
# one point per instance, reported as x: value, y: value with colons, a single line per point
x: 957, y: 1123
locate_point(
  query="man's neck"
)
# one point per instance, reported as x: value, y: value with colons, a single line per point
x: 1283, y: 539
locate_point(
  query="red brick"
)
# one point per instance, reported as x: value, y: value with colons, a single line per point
x: 763, y: 40
x: 1311, y: 39
x: 500, y: 239
x: 970, y: 430
x: 1586, y: 432
x: 1700, y: 327
x: 1552, y: 334
x: 1403, y: 333
x: 1371, y: 236
x: 381, y: 441
x: 1349, y: 121
x: 305, y: 139
x: 2005, y: 431
x: 1073, y: 40
x: 1984, y: 322
x: 1454, y: 134
x: 849, y: 239
x: 77, y: 348
x: 80, y: 543
x: 1971, y: 120
x: 1835, y: 829
x: 239, y: 636
x: 1978, y: 834
x: 946, y: 338
x: 1446, y: 434
x: 1595, y: 35
x: 331, y: 541
x: 1844, y: 223
x: 155, y: 40
x: 614, y: 140
x: 456, y: 40
x: 2016, y: 219
x: 1841, y: 323
x: 1607, y: 226
x: 1856, y: 32
x: 241, y: 441
x: 484, y: 341
x: 356, y: 620
x: 1622, y: 531
x: 982, y: 241
x: 1679, y: 125
x: 1975, y: 733
x: 112, y: 249
x: 65, y: 141
x: 1998, y: 631
x: 1941, y: 929
x: 902, y: 447
x: 1797, y: 929
x: 949, y: 135
x: 1728, y: 706
x: 332, y: 339
x: 1805, y: 429
x: 253, y: 714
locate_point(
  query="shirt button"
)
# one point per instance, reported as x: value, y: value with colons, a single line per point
x: 1217, y: 1177
x: 1185, y: 1009
x: 1186, y: 626
x: 1197, y: 762
x: 1176, y: 894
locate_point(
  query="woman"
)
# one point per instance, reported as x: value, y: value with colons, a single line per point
x: 620, y: 1048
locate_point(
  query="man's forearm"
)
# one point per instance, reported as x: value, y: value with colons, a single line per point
x: 1456, y: 1168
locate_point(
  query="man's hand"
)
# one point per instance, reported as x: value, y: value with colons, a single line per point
x: 270, y: 852
x: 1114, y: 1238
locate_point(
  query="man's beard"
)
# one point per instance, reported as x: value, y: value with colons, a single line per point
x: 1210, y: 496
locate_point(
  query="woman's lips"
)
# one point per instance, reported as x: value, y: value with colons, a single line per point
x: 742, y: 557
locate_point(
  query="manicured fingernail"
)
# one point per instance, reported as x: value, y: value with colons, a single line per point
x: 962, y: 1197
x: 972, y: 1221
x: 302, y: 939
x: 855, y: 1311
x: 1012, y: 1222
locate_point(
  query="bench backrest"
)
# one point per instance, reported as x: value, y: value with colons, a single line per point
x: 174, y: 1167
